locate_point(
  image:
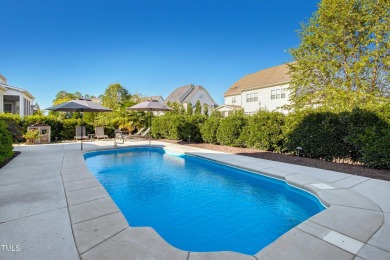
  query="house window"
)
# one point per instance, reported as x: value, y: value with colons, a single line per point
x: 8, y: 108
x: 251, y: 97
x: 283, y: 93
x: 233, y: 100
x: 201, y: 96
x: 278, y: 93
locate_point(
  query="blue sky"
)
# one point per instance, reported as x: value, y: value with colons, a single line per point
x: 149, y: 46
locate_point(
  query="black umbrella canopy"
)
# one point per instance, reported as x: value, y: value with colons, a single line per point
x: 150, y: 106
x: 79, y: 105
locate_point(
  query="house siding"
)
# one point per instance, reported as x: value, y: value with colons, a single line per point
x: 264, y: 99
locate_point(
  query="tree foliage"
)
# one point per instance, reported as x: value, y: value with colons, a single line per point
x: 115, y: 97
x: 6, y: 149
x: 198, y: 108
x: 210, y: 127
x: 206, y: 109
x: 343, y: 60
x: 190, y: 109
x: 230, y: 129
x: 119, y: 99
x: 264, y: 131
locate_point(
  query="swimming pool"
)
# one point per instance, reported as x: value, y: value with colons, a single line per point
x: 199, y: 205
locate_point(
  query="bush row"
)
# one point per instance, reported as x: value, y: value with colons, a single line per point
x: 178, y: 127
x: 360, y: 135
x: 61, y: 129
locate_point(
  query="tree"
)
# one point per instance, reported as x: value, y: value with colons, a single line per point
x: 115, y: 96
x: 206, y: 109
x: 198, y: 108
x: 190, y: 109
x: 343, y: 59
x: 63, y: 96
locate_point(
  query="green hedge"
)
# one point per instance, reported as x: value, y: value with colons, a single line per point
x: 189, y: 128
x: 14, y: 125
x: 359, y: 135
x: 210, y: 127
x: 6, y: 149
x: 178, y: 127
x: 230, y: 129
x: 369, y: 136
x: 167, y: 126
x: 264, y: 131
x: 321, y: 135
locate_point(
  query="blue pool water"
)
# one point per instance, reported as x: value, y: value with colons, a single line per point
x: 199, y: 205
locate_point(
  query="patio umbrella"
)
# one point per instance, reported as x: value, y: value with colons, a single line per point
x: 79, y: 105
x: 150, y: 106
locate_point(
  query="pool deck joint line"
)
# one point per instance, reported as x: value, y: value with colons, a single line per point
x: 52, y: 207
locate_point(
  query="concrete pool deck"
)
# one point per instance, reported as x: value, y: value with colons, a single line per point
x: 52, y: 207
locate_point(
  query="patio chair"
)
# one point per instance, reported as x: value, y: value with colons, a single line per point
x: 99, y: 133
x: 138, y: 135
x: 78, y: 133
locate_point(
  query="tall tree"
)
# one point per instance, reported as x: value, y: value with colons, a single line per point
x: 343, y: 59
x: 206, y: 109
x: 190, y: 109
x: 198, y: 108
x: 115, y: 97
x: 63, y: 96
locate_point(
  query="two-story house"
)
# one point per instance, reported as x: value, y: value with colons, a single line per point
x: 15, y: 100
x: 191, y: 94
x: 265, y: 89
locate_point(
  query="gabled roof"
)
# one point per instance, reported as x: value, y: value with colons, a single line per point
x: 5, y: 80
x: 18, y: 89
x: 261, y: 79
x: 180, y: 94
x: 185, y: 93
x: 232, y: 107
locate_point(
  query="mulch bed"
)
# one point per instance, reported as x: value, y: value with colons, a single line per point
x: 16, y: 153
x: 287, y: 158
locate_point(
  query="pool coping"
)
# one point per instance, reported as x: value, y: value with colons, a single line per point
x: 36, y: 213
x: 101, y: 231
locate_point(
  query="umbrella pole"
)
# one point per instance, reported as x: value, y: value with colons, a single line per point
x: 82, y: 115
x: 150, y: 125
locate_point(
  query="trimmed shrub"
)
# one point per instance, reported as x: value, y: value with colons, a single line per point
x: 264, y: 131
x: 321, y: 135
x: 376, y: 152
x: 13, y: 122
x: 167, y: 126
x: 230, y: 128
x: 6, y: 149
x: 178, y: 127
x: 210, y: 127
x: 189, y: 128
x: 369, y: 137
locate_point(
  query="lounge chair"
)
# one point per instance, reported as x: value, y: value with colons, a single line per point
x: 137, y: 135
x: 78, y: 135
x: 99, y: 133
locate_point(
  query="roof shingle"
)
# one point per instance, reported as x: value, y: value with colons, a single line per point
x: 261, y: 79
